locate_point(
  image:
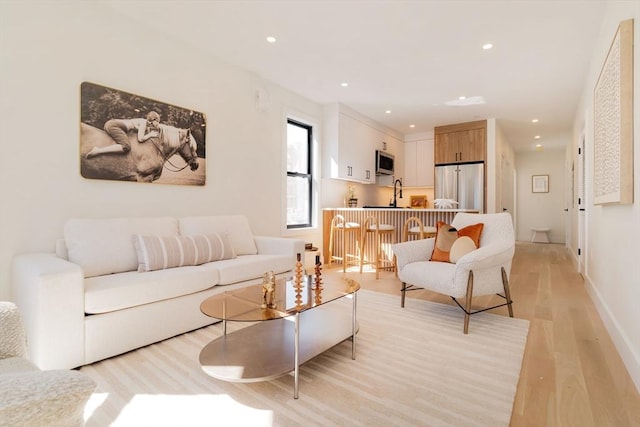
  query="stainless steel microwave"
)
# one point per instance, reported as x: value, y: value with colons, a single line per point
x: 384, y: 163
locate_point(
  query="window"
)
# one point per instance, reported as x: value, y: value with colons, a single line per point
x: 299, y: 175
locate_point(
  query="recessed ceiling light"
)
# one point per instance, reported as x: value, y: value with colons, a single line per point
x: 534, y: 120
x: 271, y: 39
x: 344, y: 84
x: 388, y: 112
x: 412, y: 126
x: 538, y: 145
x: 536, y: 137
x: 462, y: 97
x: 487, y: 46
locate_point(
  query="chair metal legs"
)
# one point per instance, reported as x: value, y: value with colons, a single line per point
x: 467, y: 307
x: 404, y: 292
x: 469, y: 297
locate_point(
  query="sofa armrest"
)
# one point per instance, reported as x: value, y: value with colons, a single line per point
x: 279, y: 245
x: 49, y: 293
x: 44, y: 398
x: 486, y: 263
x: 494, y: 255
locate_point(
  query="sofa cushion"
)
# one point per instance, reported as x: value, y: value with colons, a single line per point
x: 248, y: 267
x: 104, y: 246
x: 236, y: 225
x: 112, y: 292
x: 160, y: 252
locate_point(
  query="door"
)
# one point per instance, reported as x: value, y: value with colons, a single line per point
x: 581, y: 202
x: 507, y: 186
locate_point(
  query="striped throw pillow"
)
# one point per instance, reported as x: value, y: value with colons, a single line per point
x: 160, y: 252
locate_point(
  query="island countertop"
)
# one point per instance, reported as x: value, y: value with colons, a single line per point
x: 385, y: 215
x: 400, y: 208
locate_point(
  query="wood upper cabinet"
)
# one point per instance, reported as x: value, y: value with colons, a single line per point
x: 460, y: 143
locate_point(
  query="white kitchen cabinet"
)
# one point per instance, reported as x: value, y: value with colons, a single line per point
x: 392, y: 145
x: 356, y: 155
x: 349, y: 151
x: 410, y: 173
x: 419, y: 163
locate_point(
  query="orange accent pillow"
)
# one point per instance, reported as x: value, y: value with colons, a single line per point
x: 447, y: 236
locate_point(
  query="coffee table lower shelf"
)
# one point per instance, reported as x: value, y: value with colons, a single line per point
x: 265, y: 350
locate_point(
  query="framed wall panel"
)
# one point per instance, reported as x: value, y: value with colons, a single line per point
x: 540, y: 183
x: 613, y: 122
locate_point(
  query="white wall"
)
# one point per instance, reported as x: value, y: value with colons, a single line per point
x: 541, y: 209
x: 47, y: 49
x: 613, y: 232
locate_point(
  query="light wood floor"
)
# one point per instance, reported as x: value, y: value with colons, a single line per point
x: 571, y: 374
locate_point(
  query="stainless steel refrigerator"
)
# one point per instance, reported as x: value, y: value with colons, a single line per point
x: 462, y: 183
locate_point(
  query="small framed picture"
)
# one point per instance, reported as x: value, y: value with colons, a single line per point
x: 540, y: 183
x: 418, y: 202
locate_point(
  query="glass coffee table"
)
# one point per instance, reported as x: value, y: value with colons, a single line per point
x: 306, y: 322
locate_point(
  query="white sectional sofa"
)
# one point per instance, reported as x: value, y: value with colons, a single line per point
x: 118, y: 284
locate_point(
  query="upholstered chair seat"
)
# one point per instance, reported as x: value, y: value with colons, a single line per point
x: 29, y: 396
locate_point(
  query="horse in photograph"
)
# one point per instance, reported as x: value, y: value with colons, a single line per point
x: 145, y: 161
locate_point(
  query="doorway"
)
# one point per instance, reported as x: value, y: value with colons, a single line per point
x: 581, y: 203
x: 507, y: 186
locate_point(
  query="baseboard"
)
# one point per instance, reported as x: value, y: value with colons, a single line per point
x: 622, y: 343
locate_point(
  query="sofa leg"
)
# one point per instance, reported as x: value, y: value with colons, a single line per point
x: 404, y: 291
x: 507, y: 292
x: 467, y: 310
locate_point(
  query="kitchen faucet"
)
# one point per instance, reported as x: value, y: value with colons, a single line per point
x: 395, y: 202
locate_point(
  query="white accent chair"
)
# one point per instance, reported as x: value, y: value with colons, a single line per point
x: 483, y: 271
x: 29, y: 396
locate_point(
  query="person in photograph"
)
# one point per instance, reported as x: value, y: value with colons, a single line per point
x: 118, y: 129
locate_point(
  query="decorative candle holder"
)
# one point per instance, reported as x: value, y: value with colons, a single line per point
x: 269, y: 290
x: 299, y: 268
x: 318, y: 274
x: 298, y: 281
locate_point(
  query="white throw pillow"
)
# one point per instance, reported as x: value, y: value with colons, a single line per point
x: 160, y: 252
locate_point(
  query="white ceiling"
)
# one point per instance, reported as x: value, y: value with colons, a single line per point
x: 409, y: 57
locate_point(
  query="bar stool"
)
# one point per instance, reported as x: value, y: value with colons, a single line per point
x: 371, y: 226
x: 346, y: 229
x: 418, y: 230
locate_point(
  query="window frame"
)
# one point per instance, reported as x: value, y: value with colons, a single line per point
x: 308, y: 176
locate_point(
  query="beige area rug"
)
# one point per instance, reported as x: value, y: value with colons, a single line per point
x: 413, y: 367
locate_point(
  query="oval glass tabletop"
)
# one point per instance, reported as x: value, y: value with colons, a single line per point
x: 246, y: 304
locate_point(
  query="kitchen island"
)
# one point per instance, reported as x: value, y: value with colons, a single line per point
x: 386, y: 215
